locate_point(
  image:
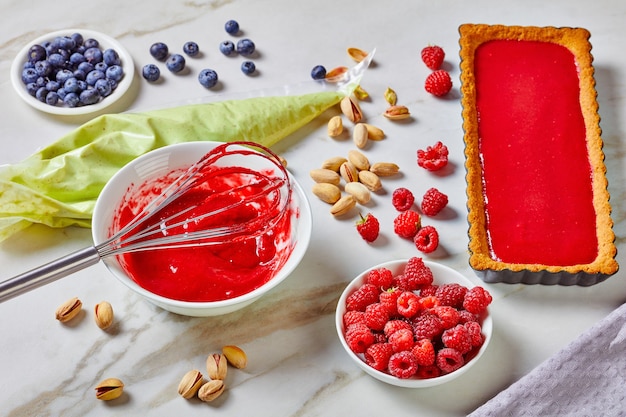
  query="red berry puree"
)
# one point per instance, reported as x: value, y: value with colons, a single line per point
x: 536, y: 170
x: 211, y: 272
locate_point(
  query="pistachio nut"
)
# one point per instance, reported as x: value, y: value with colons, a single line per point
x: 103, y: 314
x: 336, y: 74
x: 360, y: 93
x: 235, y: 356
x: 323, y: 175
x: 374, y: 133
x: 359, y: 160
x: 360, y: 135
x: 370, y: 180
x: 328, y: 193
x: 391, y: 97
x: 348, y: 172
x: 343, y: 205
x: 335, y: 126
x: 216, y: 366
x: 359, y: 191
x: 397, y: 112
x: 357, y: 54
x: 69, y: 309
x: 333, y: 163
x: 385, y: 169
x: 211, y: 390
x: 351, y: 109
x: 190, y: 384
x: 109, y: 389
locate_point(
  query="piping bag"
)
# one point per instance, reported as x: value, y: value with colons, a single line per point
x: 59, y: 185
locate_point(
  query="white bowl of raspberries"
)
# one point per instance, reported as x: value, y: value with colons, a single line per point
x: 414, y: 323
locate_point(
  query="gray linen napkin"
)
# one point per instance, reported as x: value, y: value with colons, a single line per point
x: 586, y: 378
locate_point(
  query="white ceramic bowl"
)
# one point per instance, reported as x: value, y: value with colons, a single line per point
x: 442, y: 275
x: 105, y: 42
x: 162, y: 161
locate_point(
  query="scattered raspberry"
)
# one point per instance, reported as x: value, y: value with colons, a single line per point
x: 368, y: 227
x: 424, y: 352
x: 377, y: 355
x: 433, y: 56
x: 451, y: 295
x: 429, y: 302
x: 359, y: 337
x: 476, y: 300
x: 449, y: 360
x: 353, y: 317
x: 393, y: 326
x: 438, y: 83
x: 402, y: 199
x: 457, y: 338
x: 429, y: 290
x: 381, y: 278
x: 449, y: 316
x: 401, y: 339
x: 376, y: 316
x: 425, y: 372
x: 402, y: 364
x: 389, y: 300
x: 427, y: 239
x: 434, y: 157
x: 427, y: 326
x: 417, y: 273
x: 408, y: 304
x: 433, y: 202
x: 474, y: 329
x: 407, y: 223
x: 365, y: 295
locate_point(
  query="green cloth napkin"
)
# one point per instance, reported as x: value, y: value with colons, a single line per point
x: 58, y: 186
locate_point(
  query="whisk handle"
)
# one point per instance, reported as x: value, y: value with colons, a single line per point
x: 49, y: 272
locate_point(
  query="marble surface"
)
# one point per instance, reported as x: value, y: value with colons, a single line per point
x: 296, y: 364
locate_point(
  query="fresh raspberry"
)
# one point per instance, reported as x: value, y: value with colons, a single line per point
x: 438, y: 83
x: 382, y: 278
x: 353, y: 317
x: 377, y: 356
x: 475, y: 331
x: 402, y: 365
x: 402, y: 199
x: 401, y: 283
x: 449, y: 360
x: 433, y: 56
x: 451, y: 294
x: 393, y: 326
x: 379, y: 337
x: 365, y: 295
x: 427, y: 326
x: 407, y: 223
x: 466, y: 317
x: 457, y: 338
x: 433, y: 202
x: 424, y: 352
x: 476, y: 300
x: 401, y: 339
x: 429, y: 290
x: 427, y: 239
x: 433, y: 157
x: 429, y: 302
x: 408, y: 304
x: 418, y: 274
x: 449, y: 316
x: 425, y: 372
x: 368, y: 227
x: 376, y: 316
x: 389, y: 300
x: 359, y: 337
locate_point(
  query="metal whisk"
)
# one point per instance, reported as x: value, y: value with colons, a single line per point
x: 140, y: 235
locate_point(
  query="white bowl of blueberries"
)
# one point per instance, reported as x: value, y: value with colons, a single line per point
x: 72, y: 72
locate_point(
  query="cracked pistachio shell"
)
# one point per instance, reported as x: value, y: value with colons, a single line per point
x: 190, y: 384
x: 109, y: 389
x: 103, y: 315
x: 391, y: 97
x: 216, y: 366
x: 68, y: 310
x: 211, y: 390
x: 351, y: 109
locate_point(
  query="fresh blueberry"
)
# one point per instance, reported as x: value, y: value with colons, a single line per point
x: 71, y: 99
x: 89, y: 96
x: 227, y: 47
x: 86, y: 67
x: 318, y: 72
x: 248, y: 67
x: 93, y: 55
x: 53, y: 85
x: 104, y: 87
x: 63, y: 75
x: 159, y: 51
x: 41, y: 81
x: 175, y: 63
x: 78, y: 39
x: 43, y: 68
x: 151, y: 72
x: 80, y: 74
x: 111, y: 57
x: 245, y: 47
x: 29, y: 75
x: 32, y: 88
x: 82, y: 85
x: 52, y: 98
x: 208, y: 78
x: 65, y: 43
x: 37, y: 53
x: 71, y: 85
x: 94, y: 76
x: 191, y: 48
x: 101, y: 66
x: 61, y: 93
x: 65, y: 54
x: 56, y: 60
x: 91, y: 43
x: 77, y: 58
x: 41, y: 94
x: 114, y: 72
x: 231, y: 27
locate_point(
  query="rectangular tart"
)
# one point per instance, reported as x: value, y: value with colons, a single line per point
x: 538, y: 203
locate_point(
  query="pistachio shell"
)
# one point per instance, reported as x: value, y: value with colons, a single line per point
x: 216, y: 366
x: 190, y: 384
x: 333, y: 163
x: 374, y: 133
x: 328, y: 193
x: 359, y: 191
x: 397, y: 113
x: 360, y: 135
x: 385, y: 169
x: 360, y: 93
x: 68, y: 310
x: 359, y: 160
x: 336, y: 74
x: 348, y: 172
x: 351, y: 109
x: 323, y: 175
x: 370, y: 180
x: 335, y: 126
x: 211, y: 390
x: 235, y: 356
x: 391, y: 97
x: 357, y: 54
x: 109, y: 389
x: 103, y: 315
x: 343, y: 206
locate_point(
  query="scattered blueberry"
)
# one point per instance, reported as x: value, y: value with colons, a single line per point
x: 175, y: 63
x: 245, y: 47
x: 207, y: 77
x: 231, y: 27
x: 151, y: 72
x: 248, y: 67
x: 191, y: 48
x: 159, y: 51
x: 318, y: 72
x: 227, y: 47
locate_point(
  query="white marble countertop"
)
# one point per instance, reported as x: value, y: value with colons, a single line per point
x: 296, y: 364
